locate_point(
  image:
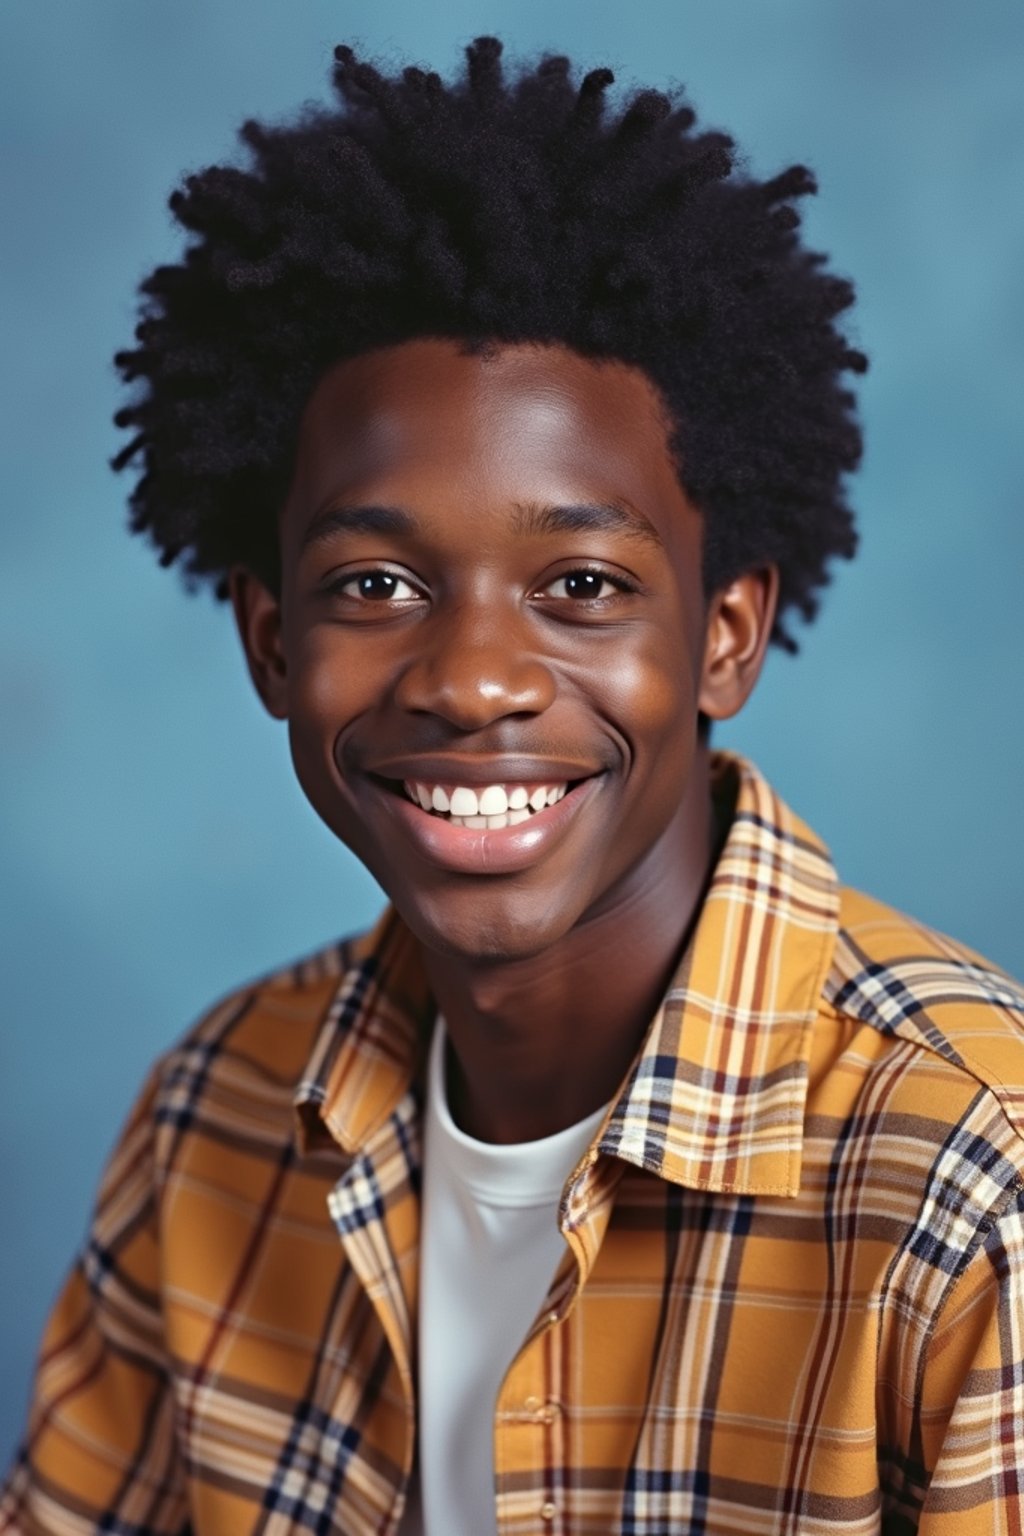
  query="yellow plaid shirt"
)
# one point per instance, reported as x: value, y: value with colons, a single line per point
x: 792, y: 1295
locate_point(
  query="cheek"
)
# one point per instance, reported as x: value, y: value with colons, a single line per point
x: 328, y: 688
x: 651, y: 694
x: 331, y: 678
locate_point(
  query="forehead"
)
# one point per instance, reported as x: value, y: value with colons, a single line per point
x: 524, y: 421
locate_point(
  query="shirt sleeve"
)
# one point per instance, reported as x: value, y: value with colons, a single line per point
x: 100, y: 1449
x: 976, y: 1360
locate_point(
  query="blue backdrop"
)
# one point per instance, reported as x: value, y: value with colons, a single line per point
x: 155, y: 848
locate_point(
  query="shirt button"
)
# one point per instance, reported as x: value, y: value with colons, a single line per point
x: 548, y: 1511
x: 552, y: 1317
x: 532, y: 1404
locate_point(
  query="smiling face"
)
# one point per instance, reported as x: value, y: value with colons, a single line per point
x: 492, y: 642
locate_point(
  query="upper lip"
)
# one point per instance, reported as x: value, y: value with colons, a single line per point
x: 438, y: 768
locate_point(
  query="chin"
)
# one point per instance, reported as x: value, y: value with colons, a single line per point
x: 485, y: 933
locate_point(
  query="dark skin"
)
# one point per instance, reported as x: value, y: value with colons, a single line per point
x: 492, y: 576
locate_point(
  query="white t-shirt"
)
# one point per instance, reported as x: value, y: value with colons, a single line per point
x: 489, y: 1249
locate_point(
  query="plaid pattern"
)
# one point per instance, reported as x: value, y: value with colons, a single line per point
x: 791, y: 1298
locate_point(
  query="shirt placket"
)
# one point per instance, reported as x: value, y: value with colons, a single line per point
x: 531, y: 1449
x: 529, y: 1429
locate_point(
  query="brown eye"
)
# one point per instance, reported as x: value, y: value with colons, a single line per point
x: 376, y: 587
x: 584, y: 586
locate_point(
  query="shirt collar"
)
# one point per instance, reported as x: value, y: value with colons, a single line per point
x: 715, y: 1099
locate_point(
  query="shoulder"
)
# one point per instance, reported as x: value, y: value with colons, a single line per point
x: 266, y: 1018
x: 937, y: 1034
x: 242, y: 1061
x: 916, y: 1105
x: 914, y: 984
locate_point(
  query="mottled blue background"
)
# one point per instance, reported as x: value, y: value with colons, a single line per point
x: 155, y: 848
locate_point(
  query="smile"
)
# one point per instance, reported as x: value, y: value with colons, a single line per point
x: 494, y: 806
x: 486, y: 829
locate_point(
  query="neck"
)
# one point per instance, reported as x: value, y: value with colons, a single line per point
x: 537, y: 1044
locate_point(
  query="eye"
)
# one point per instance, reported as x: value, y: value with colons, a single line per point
x: 375, y: 586
x: 585, y: 585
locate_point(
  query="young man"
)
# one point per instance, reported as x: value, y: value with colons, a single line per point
x: 631, y: 1175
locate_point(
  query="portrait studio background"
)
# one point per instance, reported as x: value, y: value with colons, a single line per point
x: 156, y: 850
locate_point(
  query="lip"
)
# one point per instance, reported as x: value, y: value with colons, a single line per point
x: 483, y: 850
x: 439, y: 768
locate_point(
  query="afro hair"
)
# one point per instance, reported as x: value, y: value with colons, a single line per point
x: 496, y: 208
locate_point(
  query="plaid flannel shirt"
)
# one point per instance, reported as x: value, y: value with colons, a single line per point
x: 792, y: 1294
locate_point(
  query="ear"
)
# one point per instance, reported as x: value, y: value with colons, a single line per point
x: 740, y: 619
x: 258, y: 616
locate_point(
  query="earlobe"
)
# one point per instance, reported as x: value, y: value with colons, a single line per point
x: 258, y: 617
x: 740, y: 620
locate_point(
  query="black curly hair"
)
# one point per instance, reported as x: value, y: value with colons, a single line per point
x: 496, y: 209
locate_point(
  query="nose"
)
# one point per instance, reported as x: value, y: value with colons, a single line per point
x: 472, y: 669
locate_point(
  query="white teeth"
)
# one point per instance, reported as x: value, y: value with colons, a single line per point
x: 463, y: 802
x: 493, y: 801
x: 493, y: 806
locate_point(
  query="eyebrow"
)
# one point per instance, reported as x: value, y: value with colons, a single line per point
x: 599, y: 517
x: 361, y: 519
x: 529, y: 518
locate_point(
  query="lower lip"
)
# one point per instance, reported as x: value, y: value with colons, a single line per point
x: 487, y: 851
